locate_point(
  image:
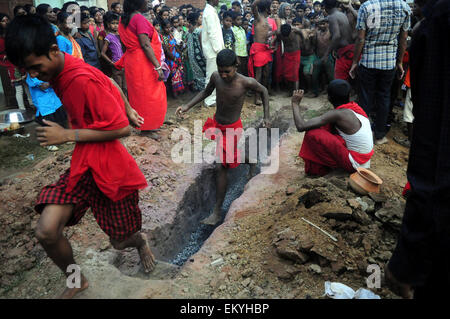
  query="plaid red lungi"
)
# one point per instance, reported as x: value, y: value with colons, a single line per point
x: 119, y: 220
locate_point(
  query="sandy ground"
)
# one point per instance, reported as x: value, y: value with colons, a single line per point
x: 267, y: 250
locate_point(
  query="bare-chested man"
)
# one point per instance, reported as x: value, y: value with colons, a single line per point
x: 308, y: 57
x: 290, y: 60
x: 231, y: 88
x: 341, y: 138
x: 322, y: 66
x: 341, y: 40
x: 260, y: 51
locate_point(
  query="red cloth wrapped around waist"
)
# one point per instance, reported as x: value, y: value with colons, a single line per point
x: 291, y: 65
x: 260, y: 55
x: 360, y: 158
x: 221, y: 148
x: 346, y: 52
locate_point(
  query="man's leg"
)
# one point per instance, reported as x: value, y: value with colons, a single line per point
x: 329, y: 69
x: 324, y: 149
x: 139, y: 241
x: 221, y: 189
x: 383, y: 86
x: 258, y: 77
x: 49, y: 232
x: 211, y: 66
x: 315, y: 83
x: 366, y: 79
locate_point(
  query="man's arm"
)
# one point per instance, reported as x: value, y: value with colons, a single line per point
x: 255, y: 10
x: 335, y: 36
x: 301, y: 124
x: 359, y: 45
x: 401, y: 52
x: 350, y: 8
x: 54, y: 134
x: 254, y: 85
x: 199, y: 97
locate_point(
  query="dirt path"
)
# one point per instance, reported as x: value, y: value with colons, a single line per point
x: 255, y: 241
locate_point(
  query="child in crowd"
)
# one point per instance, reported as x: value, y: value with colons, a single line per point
x: 227, y: 32
x: 240, y: 44
x: 308, y: 12
x: 236, y: 7
x: 197, y: 60
x: 173, y: 58
x: 112, y: 49
x: 48, y: 105
x: 87, y: 43
x: 66, y: 42
x: 177, y: 30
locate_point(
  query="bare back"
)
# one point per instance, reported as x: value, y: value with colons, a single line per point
x: 263, y: 29
x: 309, y: 42
x: 339, y: 25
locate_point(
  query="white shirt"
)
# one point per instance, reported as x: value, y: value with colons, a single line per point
x: 212, y: 39
x: 361, y: 141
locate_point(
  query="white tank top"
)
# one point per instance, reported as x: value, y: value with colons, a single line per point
x: 361, y: 141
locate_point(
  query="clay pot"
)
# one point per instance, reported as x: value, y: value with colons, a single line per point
x: 363, y: 181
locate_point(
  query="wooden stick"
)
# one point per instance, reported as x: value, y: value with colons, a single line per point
x: 332, y: 237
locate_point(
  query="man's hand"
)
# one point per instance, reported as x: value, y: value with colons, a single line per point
x: 297, y: 96
x: 160, y: 75
x: 135, y: 119
x: 352, y: 70
x: 44, y: 86
x: 180, y: 110
x: 347, y: 5
x: 53, y: 134
x: 400, y: 70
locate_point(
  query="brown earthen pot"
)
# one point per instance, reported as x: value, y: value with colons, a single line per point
x: 364, y: 181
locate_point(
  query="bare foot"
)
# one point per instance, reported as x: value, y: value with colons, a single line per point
x: 401, y: 289
x: 69, y: 293
x: 147, y: 258
x: 213, y: 219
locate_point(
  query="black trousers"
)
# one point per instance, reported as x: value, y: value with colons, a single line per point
x: 422, y: 255
x: 374, y: 96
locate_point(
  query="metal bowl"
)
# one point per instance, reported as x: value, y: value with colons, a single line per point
x: 16, y: 116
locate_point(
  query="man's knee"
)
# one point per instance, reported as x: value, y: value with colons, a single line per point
x: 116, y: 244
x: 46, y: 234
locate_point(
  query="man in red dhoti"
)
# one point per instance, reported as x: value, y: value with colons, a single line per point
x: 290, y: 37
x: 341, y: 138
x: 102, y: 176
x: 226, y: 126
x: 260, y: 52
x: 341, y: 40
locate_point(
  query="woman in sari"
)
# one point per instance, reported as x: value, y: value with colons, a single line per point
x: 142, y: 63
x: 196, y: 59
x: 173, y: 58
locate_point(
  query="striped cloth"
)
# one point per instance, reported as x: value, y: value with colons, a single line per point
x: 383, y: 20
